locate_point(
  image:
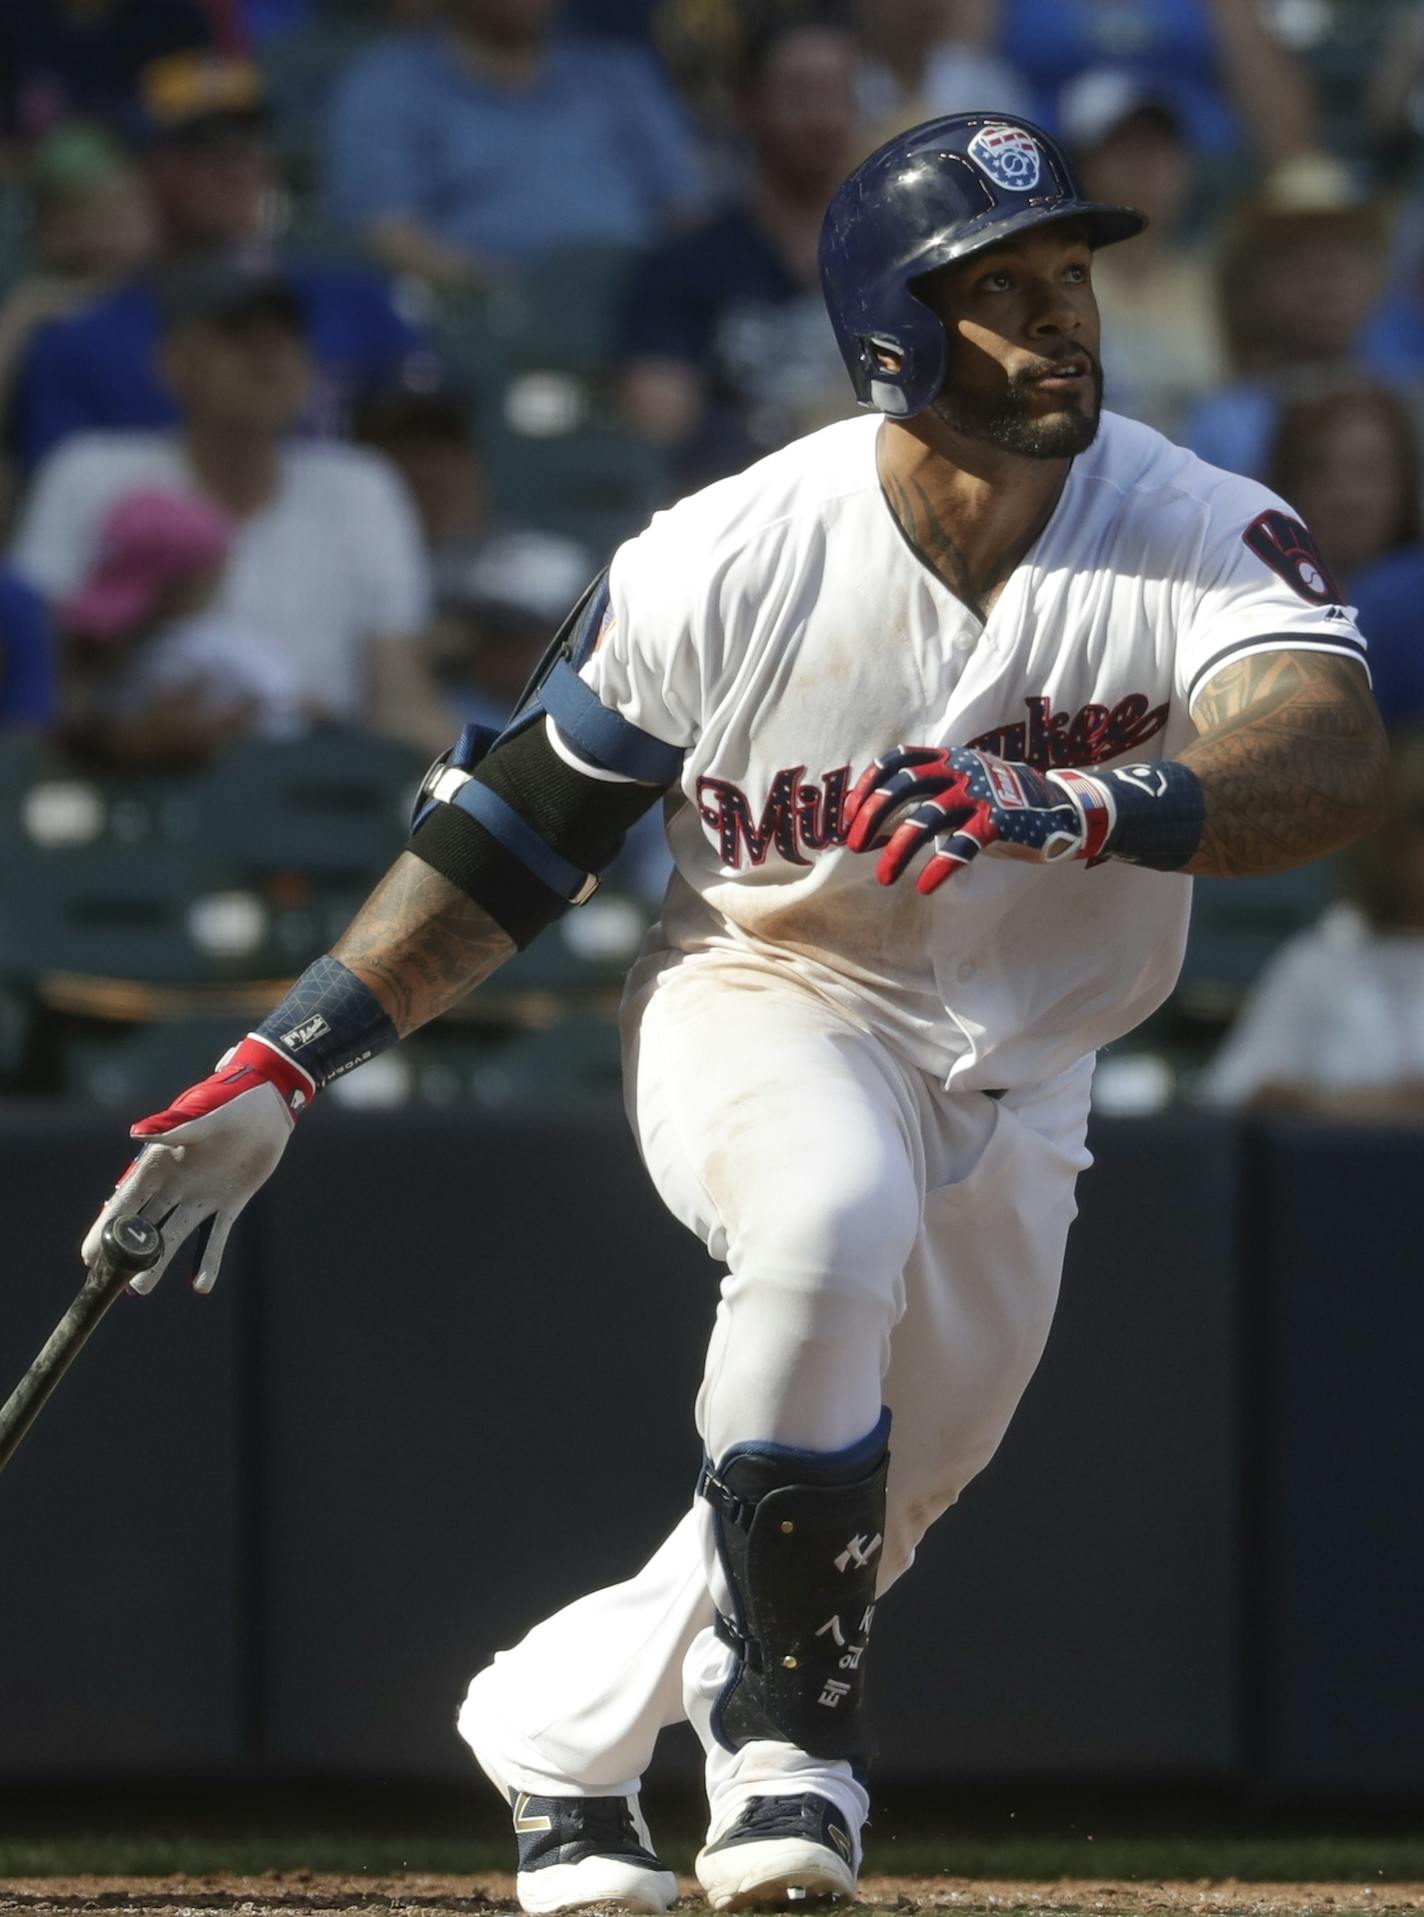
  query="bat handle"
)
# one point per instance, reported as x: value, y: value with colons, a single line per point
x: 129, y: 1244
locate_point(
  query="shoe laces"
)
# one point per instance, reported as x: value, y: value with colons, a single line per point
x: 607, y: 1820
x: 769, y: 1816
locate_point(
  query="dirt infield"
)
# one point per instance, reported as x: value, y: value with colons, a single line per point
x: 305, y: 1894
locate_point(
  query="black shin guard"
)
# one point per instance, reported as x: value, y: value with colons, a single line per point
x: 799, y: 1535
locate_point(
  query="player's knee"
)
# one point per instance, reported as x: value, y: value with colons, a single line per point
x: 828, y: 1236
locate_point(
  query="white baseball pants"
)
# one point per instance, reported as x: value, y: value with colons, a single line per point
x: 888, y: 1242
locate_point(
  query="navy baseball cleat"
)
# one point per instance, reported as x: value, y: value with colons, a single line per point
x: 575, y: 1851
x: 781, y: 1850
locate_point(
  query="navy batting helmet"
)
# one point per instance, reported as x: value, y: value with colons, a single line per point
x: 934, y: 194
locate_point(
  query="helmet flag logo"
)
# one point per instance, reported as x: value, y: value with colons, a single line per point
x: 1008, y: 155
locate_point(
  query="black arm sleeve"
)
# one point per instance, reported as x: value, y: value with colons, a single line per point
x: 582, y: 818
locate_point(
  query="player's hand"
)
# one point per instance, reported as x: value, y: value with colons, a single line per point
x: 965, y: 802
x: 207, y: 1154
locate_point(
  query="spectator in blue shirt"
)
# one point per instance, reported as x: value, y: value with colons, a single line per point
x: 91, y: 228
x: 726, y: 348
x: 209, y: 168
x: 467, y: 149
x: 1235, y: 84
x: 27, y: 664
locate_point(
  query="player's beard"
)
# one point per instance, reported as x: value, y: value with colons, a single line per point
x: 1009, y: 421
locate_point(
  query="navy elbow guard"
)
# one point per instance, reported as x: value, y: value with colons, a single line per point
x: 516, y: 825
x: 520, y: 830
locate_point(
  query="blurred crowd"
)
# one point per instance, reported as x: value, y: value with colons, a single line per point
x: 340, y: 340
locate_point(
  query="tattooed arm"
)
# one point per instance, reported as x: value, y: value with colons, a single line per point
x: 420, y: 943
x: 1292, y: 759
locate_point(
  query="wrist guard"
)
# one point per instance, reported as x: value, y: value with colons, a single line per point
x: 329, y: 1023
x: 1151, y: 815
x: 520, y: 830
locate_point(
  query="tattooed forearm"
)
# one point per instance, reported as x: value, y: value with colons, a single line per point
x: 420, y: 943
x: 1292, y: 761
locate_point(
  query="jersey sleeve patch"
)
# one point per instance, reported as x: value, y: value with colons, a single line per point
x: 1283, y: 544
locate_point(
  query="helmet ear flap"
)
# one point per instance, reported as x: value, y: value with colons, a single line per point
x: 882, y: 375
x: 917, y: 342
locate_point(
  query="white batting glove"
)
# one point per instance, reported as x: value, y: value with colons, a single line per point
x: 208, y: 1152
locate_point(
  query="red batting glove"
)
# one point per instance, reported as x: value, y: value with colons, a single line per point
x: 207, y: 1153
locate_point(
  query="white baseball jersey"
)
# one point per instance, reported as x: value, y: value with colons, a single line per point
x: 779, y: 627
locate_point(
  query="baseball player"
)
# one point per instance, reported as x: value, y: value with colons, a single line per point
x: 947, y: 703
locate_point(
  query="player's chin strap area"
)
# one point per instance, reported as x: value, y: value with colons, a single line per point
x: 799, y: 1536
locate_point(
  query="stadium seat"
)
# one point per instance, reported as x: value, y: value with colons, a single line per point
x: 152, y: 913
x: 561, y: 312
x: 139, y: 1068
x: 597, y: 484
x: 334, y: 808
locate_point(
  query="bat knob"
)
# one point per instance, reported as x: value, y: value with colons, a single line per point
x: 131, y: 1243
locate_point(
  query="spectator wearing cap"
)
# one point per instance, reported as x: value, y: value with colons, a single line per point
x: 1236, y: 85
x: 28, y: 692
x: 726, y: 349
x: 1161, y: 337
x: 326, y: 570
x: 1301, y: 270
x: 472, y: 147
x: 60, y: 59
x: 201, y: 138
x: 156, y: 671
x: 925, y: 58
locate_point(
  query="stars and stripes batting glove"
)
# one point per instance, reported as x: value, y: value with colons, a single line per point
x: 965, y: 801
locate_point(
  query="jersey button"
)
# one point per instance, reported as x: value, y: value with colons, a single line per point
x: 965, y: 971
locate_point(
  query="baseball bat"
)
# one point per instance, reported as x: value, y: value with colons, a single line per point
x: 129, y: 1245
